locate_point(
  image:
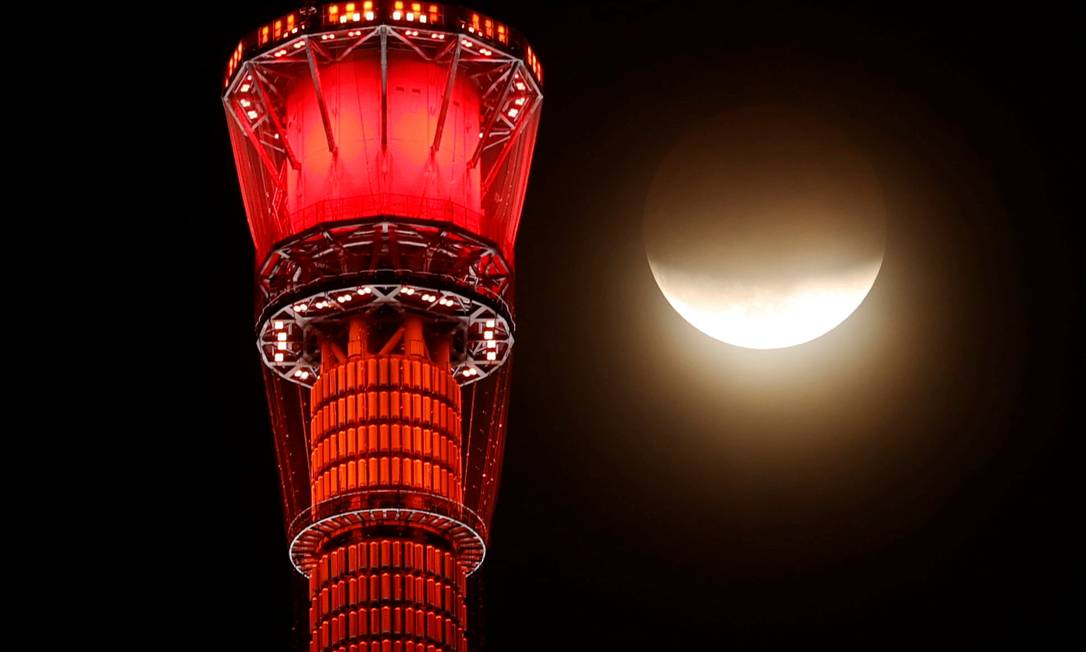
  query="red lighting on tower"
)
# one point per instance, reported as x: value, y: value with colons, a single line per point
x: 383, y: 151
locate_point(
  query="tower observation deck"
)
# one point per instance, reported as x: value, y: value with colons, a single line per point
x: 383, y: 151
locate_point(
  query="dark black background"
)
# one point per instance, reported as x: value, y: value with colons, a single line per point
x: 905, y: 478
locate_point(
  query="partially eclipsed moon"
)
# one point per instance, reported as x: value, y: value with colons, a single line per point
x: 764, y: 316
x: 764, y: 228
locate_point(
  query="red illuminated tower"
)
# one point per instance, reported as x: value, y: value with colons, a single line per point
x: 383, y: 151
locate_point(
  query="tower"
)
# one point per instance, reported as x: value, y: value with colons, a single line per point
x: 383, y: 150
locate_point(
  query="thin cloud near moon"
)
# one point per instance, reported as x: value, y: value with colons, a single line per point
x: 765, y: 228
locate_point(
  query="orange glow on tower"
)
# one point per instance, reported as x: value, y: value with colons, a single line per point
x: 383, y: 151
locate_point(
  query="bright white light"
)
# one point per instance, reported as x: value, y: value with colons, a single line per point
x: 492, y: 355
x: 761, y: 317
x: 279, y: 325
x: 282, y: 346
x: 488, y: 335
x: 490, y: 323
x: 301, y: 307
x: 278, y: 357
x: 282, y: 337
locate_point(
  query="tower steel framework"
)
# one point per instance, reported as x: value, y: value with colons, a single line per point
x: 383, y: 151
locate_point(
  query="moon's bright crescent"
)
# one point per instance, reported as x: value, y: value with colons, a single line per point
x: 766, y: 316
x: 765, y: 227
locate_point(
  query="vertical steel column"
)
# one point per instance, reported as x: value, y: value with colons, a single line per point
x: 315, y: 74
x: 450, y: 81
x: 384, y: 87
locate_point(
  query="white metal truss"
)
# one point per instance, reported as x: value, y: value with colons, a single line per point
x: 510, y: 94
x: 285, y: 338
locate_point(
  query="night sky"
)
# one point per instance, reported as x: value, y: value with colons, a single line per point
x: 905, y: 478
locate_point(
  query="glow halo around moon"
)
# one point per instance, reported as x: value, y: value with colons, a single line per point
x: 765, y: 228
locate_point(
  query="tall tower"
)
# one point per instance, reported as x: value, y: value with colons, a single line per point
x: 383, y: 151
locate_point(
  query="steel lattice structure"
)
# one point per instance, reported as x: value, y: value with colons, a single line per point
x: 383, y: 151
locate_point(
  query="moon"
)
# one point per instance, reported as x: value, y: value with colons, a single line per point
x: 765, y: 227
